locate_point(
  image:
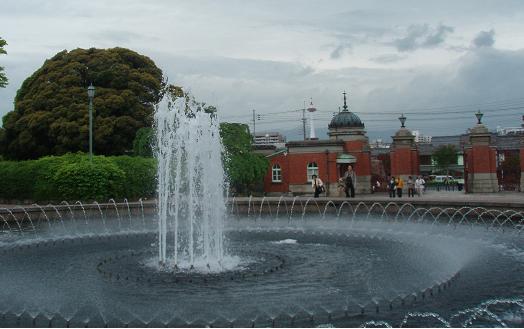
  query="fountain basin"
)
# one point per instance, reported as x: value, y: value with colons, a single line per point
x: 306, y: 273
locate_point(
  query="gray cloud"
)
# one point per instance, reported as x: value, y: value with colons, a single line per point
x: 422, y: 36
x: 479, y: 77
x: 264, y: 55
x: 339, y: 50
x: 387, y: 58
x: 484, y: 39
x: 120, y: 36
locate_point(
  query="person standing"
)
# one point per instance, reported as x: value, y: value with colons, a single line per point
x: 391, y: 187
x: 399, y: 185
x: 411, y: 187
x: 419, y: 185
x: 317, y: 185
x: 350, y: 181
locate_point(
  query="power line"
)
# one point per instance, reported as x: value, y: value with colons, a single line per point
x: 323, y: 114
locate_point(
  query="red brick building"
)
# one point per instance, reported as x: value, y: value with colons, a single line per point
x: 291, y: 170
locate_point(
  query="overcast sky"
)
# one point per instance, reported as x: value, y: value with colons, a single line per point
x: 438, y: 61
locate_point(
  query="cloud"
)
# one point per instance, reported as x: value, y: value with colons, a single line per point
x: 438, y: 36
x: 484, y: 39
x: 339, y: 50
x: 485, y: 78
x: 116, y: 37
x: 422, y: 36
x: 387, y: 58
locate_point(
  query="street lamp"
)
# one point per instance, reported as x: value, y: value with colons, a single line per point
x: 91, y: 95
x: 402, y: 119
x: 479, y: 117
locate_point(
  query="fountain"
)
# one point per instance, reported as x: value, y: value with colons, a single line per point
x: 265, y: 262
x: 191, y: 186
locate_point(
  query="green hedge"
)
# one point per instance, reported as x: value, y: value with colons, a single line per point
x: 73, y: 177
x: 140, y: 175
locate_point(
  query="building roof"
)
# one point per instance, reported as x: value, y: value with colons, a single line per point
x: 346, y: 118
x: 308, y: 143
x: 508, y: 142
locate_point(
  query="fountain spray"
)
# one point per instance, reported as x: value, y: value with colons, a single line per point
x: 191, y: 185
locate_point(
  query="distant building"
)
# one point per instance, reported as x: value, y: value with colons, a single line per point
x: 379, y: 144
x: 269, y: 138
x: 511, y: 130
x: 419, y: 138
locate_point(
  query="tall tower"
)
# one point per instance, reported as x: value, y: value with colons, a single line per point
x: 311, y: 109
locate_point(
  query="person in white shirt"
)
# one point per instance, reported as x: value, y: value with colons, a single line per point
x: 317, y: 185
x: 419, y: 185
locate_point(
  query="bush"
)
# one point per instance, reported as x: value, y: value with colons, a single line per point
x: 72, y: 177
x: 17, y: 179
x: 99, y: 180
x: 140, y: 175
x: 46, y: 168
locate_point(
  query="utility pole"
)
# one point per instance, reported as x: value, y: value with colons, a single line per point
x: 254, y: 126
x: 304, y: 120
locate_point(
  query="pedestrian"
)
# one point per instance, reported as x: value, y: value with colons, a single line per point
x: 399, y: 185
x: 317, y: 185
x: 411, y: 187
x: 350, y: 181
x: 376, y: 186
x: 391, y: 187
x: 419, y: 185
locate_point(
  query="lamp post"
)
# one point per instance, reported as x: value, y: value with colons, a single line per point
x: 402, y: 119
x: 91, y: 95
x: 479, y: 117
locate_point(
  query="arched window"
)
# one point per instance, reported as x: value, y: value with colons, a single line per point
x: 312, y: 169
x: 276, y: 173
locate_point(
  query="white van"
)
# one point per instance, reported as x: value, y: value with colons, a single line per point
x: 441, y: 178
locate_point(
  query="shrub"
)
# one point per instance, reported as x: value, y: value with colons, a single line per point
x: 140, y: 175
x: 46, y: 168
x: 17, y: 179
x: 72, y: 177
x: 99, y: 180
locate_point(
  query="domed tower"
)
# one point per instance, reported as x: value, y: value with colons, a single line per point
x: 346, y: 126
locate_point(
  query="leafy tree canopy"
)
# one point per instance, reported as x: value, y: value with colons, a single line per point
x: 3, y: 78
x: 244, y: 168
x: 51, y: 107
x: 142, y: 145
x: 445, y: 156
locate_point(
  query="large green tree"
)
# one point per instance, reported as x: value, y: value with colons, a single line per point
x: 244, y: 167
x: 445, y: 156
x: 51, y: 107
x: 3, y: 78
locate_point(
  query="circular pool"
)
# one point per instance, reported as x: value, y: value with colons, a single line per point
x: 280, y: 272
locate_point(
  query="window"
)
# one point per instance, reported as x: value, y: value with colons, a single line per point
x: 276, y: 173
x: 312, y: 169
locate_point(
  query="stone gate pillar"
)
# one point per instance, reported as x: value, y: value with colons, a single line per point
x: 481, y: 160
x: 404, y: 153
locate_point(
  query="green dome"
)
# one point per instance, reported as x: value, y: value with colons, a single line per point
x: 346, y: 119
